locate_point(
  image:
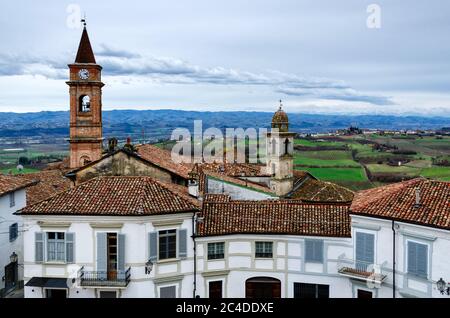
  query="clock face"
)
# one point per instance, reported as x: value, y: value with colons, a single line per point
x: 83, y: 74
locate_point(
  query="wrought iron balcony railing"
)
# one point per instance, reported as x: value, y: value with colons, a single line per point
x: 361, y: 270
x: 104, y: 278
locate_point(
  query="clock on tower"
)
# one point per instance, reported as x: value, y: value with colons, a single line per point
x: 85, y: 87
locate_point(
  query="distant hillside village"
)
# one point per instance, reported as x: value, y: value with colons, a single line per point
x: 127, y: 221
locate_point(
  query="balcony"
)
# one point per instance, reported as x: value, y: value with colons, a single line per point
x: 104, y: 278
x: 360, y: 270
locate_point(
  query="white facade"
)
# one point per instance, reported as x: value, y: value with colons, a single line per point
x: 407, y: 284
x: 10, y: 203
x: 288, y: 262
x: 174, y: 272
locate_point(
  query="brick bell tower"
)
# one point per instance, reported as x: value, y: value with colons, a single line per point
x: 85, y: 87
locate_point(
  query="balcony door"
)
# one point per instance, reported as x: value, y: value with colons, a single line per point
x: 365, y: 251
x: 112, y: 256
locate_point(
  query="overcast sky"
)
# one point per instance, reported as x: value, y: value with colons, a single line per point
x: 318, y: 56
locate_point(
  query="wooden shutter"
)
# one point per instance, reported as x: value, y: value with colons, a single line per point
x: 70, y: 247
x: 121, y: 255
x: 153, y: 246
x: 422, y: 260
x: 182, y: 243
x: 39, y: 247
x: 365, y: 248
x: 102, y: 255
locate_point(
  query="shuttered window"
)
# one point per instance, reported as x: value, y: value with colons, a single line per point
x: 314, y: 251
x: 39, y: 247
x: 365, y: 247
x: 56, y: 249
x: 12, y: 199
x: 182, y: 243
x: 168, y: 292
x: 418, y: 259
x: 13, y: 232
x: 167, y: 244
x: 303, y: 290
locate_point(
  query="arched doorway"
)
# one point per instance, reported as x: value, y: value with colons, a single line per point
x: 262, y: 287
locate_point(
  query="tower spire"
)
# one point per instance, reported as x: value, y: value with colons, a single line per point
x: 85, y: 53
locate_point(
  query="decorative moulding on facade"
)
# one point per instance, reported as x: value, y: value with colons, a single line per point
x: 167, y: 223
x: 418, y: 236
x: 44, y: 224
x: 168, y: 279
x: 366, y: 226
x: 106, y: 225
x: 215, y: 273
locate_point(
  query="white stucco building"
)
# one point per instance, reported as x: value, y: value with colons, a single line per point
x: 12, y: 198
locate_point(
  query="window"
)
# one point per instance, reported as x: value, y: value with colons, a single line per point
x: 216, y: 250
x: 167, y: 244
x: 302, y: 290
x: 108, y: 294
x: 168, y: 292
x: 12, y: 199
x: 215, y: 289
x: 417, y: 259
x: 56, y: 249
x: 263, y: 249
x: 365, y: 247
x: 85, y: 104
x: 314, y: 251
x: 364, y: 294
x: 13, y: 232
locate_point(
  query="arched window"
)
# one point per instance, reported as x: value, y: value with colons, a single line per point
x: 84, y: 160
x: 274, y: 146
x: 85, y: 104
x: 286, y: 146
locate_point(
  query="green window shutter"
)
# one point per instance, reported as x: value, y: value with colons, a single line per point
x: 39, y: 247
x: 182, y: 243
x: 121, y: 256
x: 153, y: 246
x: 102, y: 255
x: 70, y: 247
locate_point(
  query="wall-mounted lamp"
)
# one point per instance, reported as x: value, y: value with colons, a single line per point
x: 443, y: 287
x: 148, y: 267
x: 13, y: 258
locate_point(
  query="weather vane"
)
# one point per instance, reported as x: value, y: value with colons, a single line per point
x: 84, y: 19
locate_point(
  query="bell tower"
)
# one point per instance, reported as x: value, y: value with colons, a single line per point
x: 280, y: 150
x: 85, y: 88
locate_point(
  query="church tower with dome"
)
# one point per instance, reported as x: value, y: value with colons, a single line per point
x: 280, y: 150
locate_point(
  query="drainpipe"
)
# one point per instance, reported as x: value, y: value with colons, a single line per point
x: 194, y: 221
x: 393, y: 258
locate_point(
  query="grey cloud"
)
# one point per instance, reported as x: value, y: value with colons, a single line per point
x: 334, y: 94
x: 170, y: 70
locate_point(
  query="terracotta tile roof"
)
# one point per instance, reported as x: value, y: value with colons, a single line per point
x: 13, y: 183
x: 398, y: 202
x: 235, y: 169
x: 213, y: 197
x: 134, y: 196
x: 320, y: 191
x: 63, y: 165
x: 163, y: 159
x: 48, y: 183
x: 274, y: 217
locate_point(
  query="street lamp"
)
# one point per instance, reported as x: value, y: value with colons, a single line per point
x: 148, y: 267
x: 14, y: 257
x: 442, y: 286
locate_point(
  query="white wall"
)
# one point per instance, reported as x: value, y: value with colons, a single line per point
x: 167, y: 272
x: 6, y: 219
x: 287, y: 264
x: 407, y: 285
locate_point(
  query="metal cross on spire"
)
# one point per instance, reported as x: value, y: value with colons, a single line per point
x: 281, y: 104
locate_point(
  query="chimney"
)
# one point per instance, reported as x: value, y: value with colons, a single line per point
x: 417, y: 198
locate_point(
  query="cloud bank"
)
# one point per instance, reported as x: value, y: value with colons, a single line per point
x: 122, y: 63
